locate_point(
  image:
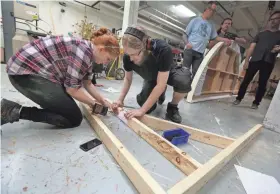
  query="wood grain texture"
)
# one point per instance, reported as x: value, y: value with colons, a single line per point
x: 221, y: 63
x: 207, y: 59
x: 176, y: 156
x: 193, y: 183
x: 140, y: 178
x: 196, y: 134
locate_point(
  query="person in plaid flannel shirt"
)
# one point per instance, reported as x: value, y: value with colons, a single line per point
x: 51, y: 71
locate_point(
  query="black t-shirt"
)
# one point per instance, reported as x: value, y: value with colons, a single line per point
x: 159, y: 60
x: 265, y: 41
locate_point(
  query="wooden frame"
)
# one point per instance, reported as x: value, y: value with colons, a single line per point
x: 198, y: 174
x: 216, y: 76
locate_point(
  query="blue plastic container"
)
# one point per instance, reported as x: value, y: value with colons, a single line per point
x: 176, y: 136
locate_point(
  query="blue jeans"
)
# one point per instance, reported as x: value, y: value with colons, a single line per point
x: 192, y: 59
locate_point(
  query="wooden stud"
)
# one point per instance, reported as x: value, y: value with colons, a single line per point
x: 224, y: 56
x: 140, y: 178
x: 200, y: 177
x: 231, y: 63
x: 175, y: 155
x: 208, y: 81
x: 143, y: 182
x: 196, y: 134
x: 203, y: 98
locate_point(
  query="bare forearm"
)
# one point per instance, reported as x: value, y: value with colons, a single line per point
x: 81, y: 95
x: 220, y: 39
x: 152, y: 99
x: 94, y: 93
x: 240, y: 40
x: 249, y: 54
x: 125, y: 89
x: 211, y: 44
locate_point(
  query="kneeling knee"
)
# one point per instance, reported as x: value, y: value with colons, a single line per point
x: 183, y: 87
x: 77, y: 121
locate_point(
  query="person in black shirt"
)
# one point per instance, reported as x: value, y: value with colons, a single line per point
x: 152, y: 59
x: 264, y: 49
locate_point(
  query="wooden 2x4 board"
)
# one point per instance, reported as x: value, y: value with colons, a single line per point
x: 198, y: 174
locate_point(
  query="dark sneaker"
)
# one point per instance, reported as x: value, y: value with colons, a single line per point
x: 9, y: 111
x: 161, y: 99
x: 172, y: 113
x: 236, y: 102
x: 254, y: 106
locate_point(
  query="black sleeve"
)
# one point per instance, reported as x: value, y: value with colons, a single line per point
x: 127, y: 64
x: 165, y: 59
x: 256, y: 39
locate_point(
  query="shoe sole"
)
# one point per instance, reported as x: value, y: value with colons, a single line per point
x: 167, y: 118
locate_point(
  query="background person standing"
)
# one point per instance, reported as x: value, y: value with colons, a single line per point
x: 223, y: 32
x: 197, y: 36
x: 263, y: 49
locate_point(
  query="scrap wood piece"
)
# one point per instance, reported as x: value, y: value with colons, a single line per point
x: 201, y: 176
x: 140, y: 178
x: 196, y: 134
x: 175, y: 155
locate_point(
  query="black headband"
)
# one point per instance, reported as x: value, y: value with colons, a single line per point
x: 135, y: 32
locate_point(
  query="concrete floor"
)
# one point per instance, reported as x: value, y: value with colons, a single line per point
x: 37, y: 158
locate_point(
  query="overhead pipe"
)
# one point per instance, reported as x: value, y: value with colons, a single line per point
x: 230, y: 14
x: 86, y: 5
x: 116, y: 7
x: 150, y: 26
x: 163, y: 20
x: 168, y: 16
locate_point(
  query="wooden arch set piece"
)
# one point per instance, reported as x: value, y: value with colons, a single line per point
x: 197, y: 174
x: 217, y: 75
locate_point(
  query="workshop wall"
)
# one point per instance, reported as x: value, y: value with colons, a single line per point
x: 61, y: 22
x: 60, y: 19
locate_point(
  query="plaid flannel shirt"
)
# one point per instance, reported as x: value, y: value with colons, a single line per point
x: 60, y: 59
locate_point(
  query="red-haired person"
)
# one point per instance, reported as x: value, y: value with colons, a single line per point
x: 51, y: 71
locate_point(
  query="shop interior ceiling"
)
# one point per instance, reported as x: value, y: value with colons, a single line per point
x: 248, y: 16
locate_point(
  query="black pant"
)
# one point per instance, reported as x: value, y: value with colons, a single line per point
x: 93, y: 81
x: 58, y: 107
x: 265, y: 70
x: 179, y: 78
x: 192, y: 59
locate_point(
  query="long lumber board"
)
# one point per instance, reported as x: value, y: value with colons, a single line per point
x: 201, y: 176
x: 175, y: 155
x: 140, y: 178
x: 196, y: 134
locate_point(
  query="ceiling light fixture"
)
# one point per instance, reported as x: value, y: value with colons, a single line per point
x: 183, y: 11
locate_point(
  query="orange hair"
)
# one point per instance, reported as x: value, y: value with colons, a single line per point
x: 107, y: 39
